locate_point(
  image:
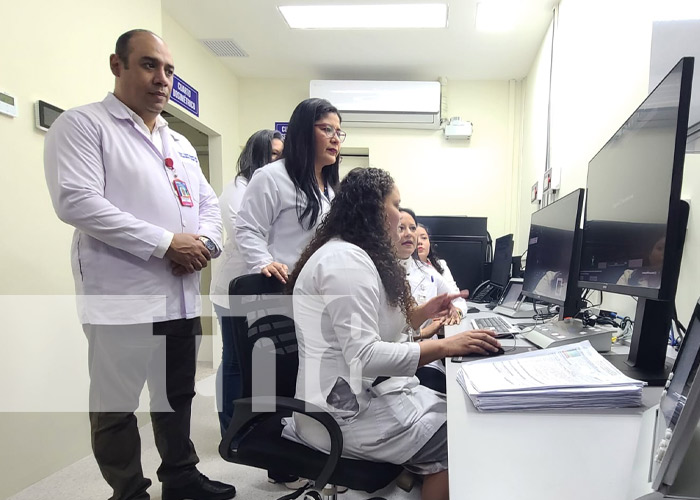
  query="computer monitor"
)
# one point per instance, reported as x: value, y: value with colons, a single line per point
x: 463, y: 243
x: 502, y: 260
x: 635, y: 221
x: 553, y: 251
x: 677, y: 419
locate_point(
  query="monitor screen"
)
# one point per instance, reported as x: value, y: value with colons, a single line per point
x: 502, y: 260
x: 552, y: 250
x: 630, y: 182
x: 511, y: 295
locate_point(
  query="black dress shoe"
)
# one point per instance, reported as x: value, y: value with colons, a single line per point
x: 202, y: 488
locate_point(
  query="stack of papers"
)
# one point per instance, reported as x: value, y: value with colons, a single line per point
x: 570, y: 376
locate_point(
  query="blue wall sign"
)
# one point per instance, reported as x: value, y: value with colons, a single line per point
x: 281, y: 127
x: 185, y: 95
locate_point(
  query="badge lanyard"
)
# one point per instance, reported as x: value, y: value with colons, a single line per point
x: 180, y: 186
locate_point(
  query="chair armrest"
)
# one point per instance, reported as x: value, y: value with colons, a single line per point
x: 248, y: 410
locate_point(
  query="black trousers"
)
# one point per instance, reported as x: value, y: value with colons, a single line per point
x: 121, y: 359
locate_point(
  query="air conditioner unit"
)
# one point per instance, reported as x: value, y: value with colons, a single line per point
x: 364, y: 103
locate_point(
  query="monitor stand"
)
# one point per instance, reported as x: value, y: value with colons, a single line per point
x: 647, y: 357
x: 654, y: 377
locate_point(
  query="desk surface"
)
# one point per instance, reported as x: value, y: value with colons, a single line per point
x: 586, y: 455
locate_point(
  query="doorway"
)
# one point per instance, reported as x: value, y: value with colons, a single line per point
x: 200, y: 142
x: 352, y: 158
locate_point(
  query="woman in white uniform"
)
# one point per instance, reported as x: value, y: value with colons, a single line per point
x: 351, y: 301
x: 263, y: 147
x: 426, y: 282
x: 428, y: 256
x: 286, y: 200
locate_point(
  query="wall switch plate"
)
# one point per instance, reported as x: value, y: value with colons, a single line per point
x: 535, y: 192
x: 8, y: 104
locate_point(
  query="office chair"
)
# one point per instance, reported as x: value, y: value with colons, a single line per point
x: 265, y: 340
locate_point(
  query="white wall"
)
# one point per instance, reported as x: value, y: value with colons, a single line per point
x: 435, y: 176
x: 534, y: 140
x: 59, y: 52
x: 601, y: 72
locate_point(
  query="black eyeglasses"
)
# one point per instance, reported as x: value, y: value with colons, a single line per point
x: 329, y: 132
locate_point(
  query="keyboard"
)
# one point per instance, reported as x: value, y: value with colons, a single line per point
x: 495, y: 323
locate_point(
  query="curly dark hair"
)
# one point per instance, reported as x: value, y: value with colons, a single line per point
x: 358, y: 216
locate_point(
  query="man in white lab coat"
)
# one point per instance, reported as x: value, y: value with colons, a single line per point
x: 146, y: 222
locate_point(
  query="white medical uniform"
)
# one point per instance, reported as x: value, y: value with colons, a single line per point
x: 426, y: 282
x: 267, y: 227
x: 347, y: 335
x: 231, y: 262
x: 107, y: 177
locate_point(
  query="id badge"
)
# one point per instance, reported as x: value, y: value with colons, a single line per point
x: 183, y: 193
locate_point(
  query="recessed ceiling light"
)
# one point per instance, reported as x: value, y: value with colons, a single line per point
x: 432, y: 15
x: 497, y: 15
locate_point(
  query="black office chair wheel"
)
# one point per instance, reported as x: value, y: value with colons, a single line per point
x: 312, y: 495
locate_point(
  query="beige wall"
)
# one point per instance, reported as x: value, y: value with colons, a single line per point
x: 49, y: 52
x: 218, y: 98
x: 601, y: 72
x: 59, y: 52
x: 435, y: 176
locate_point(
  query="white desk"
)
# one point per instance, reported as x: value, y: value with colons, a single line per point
x: 582, y: 455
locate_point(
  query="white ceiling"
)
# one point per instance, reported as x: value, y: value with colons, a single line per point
x: 276, y: 51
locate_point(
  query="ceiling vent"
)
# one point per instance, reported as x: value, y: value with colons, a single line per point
x: 225, y: 48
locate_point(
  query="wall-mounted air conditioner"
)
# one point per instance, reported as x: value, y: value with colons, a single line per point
x: 364, y: 103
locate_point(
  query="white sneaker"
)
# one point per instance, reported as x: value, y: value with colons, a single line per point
x: 292, y: 485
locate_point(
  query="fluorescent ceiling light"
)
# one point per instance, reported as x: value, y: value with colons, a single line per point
x: 497, y: 15
x: 433, y: 15
x: 676, y: 10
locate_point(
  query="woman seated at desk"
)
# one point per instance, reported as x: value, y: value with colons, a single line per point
x: 351, y: 301
x: 425, y: 280
x: 428, y: 256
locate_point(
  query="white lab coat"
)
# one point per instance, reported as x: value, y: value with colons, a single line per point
x: 426, y: 282
x: 347, y: 335
x: 231, y: 262
x: 447, y: 275
x: 267, y: 227
x: 109, y: 180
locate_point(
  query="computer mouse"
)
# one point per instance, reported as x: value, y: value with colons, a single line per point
x: 472, y: 310
x: 488, y: 354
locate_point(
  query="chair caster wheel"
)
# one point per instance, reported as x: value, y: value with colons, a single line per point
x: 312, y: 495
x: 406, y: 480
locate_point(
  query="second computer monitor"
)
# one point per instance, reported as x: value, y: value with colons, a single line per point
x: 502, y: 260
x: 553, y: 254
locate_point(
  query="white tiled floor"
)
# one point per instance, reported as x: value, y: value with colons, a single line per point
x: 82, y: 480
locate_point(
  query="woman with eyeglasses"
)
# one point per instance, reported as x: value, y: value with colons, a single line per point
x: 263, y: 147
x: 286, y: 200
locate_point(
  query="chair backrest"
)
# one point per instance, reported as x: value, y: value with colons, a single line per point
x: 264, y: 336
